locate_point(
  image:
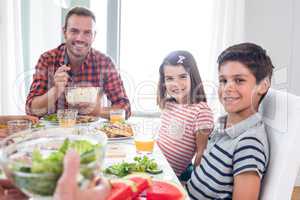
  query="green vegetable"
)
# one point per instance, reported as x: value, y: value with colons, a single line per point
x: 38, y: 125
x: 51, y: 117
x: 50, y: 168
x: 154, y: 171
x: 81, y: 146
x: 140, y: 164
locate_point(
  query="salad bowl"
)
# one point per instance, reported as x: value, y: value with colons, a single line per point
x: 33, y: 160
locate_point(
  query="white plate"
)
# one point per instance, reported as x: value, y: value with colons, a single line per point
x: 120, y: 138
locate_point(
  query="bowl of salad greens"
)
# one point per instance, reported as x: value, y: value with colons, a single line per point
x: 33, y: 161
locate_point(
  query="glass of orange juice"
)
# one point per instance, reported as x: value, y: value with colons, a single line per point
x: 117, y: 115
x: 67, y: 117
x: 143, y: 141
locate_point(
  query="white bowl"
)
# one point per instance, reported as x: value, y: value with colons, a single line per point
x: 76, y: 95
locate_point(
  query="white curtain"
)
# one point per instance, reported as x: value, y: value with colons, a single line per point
x: 11, y: 60
x: 228, y: 29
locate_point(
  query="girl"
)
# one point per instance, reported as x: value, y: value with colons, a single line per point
x: 186, y: 120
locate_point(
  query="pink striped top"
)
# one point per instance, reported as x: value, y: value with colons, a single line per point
x: 179, y: 124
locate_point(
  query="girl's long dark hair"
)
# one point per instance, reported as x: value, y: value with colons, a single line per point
x: 187, y: 60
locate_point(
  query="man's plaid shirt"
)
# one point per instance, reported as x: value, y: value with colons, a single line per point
x: 97, y: 70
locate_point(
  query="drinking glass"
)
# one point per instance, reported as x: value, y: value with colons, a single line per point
x: 117, y: 115
x: 67, y: 117
x: 143, y: 139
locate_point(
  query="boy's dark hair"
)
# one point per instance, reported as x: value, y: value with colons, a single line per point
x: 187, y: 60
x: 253, y: 56
x: 80, y: 11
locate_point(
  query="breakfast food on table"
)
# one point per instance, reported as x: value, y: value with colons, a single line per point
x: 75, y: 95
x: 3, y: 126
x: 140, y: 164
x: 117, y: 129
x: 36, y: 171
x: 51, y: 118
x: 79, y: 120
x: 85, y: 119
x: 141, y: 186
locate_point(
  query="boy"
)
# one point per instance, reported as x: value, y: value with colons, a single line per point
x: 237, y: 153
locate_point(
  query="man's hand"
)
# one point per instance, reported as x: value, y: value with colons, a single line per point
x: 30, y: 118
x: 93, y: 108
x: 67, y: 188
x: 86, y: 108
x: 61, y: 78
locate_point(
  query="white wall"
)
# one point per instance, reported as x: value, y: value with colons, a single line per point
x: 275, y: 25
x: 295, y: 61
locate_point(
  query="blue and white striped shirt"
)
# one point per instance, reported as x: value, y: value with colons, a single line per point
x: 240, y: 148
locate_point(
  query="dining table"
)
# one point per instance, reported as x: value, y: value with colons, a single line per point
x: 123, y: 149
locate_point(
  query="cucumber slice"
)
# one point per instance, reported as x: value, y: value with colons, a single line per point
x: 154, y: 171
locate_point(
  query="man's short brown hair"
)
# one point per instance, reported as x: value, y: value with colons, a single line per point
x: 80, y: 11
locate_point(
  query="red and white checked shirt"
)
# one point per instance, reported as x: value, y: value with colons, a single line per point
x: 177, y: 133
x: 97, y: 70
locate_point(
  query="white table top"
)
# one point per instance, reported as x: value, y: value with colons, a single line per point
x: 124, y: 150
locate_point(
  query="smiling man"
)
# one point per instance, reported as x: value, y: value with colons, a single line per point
x: 76, y: 63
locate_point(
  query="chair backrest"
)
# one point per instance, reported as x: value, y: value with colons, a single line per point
x: 281, y: 114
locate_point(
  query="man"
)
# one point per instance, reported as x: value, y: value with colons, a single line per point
x: 75, y: 63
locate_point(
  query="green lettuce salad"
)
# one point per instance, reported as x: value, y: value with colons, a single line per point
x: 140, y: 164
x: 41, y: 176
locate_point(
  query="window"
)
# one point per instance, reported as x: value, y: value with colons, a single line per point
x: 149, y: 30
x: 152, y: 29
x: 100, y: 10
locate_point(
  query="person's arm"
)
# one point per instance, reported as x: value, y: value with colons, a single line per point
x: 115, y: 91
x: 4, y: 119
x: 96, y: 109
x: 246, y: 186
x: 40, y: 104
x: 204, y: 124
x: 250, y: 159
x: 201, y: 143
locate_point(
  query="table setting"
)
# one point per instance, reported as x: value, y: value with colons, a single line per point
x: 31, y: 156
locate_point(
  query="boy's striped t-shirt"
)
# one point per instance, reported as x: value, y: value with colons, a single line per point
x: 240, y: 148
x: 179, y: 123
